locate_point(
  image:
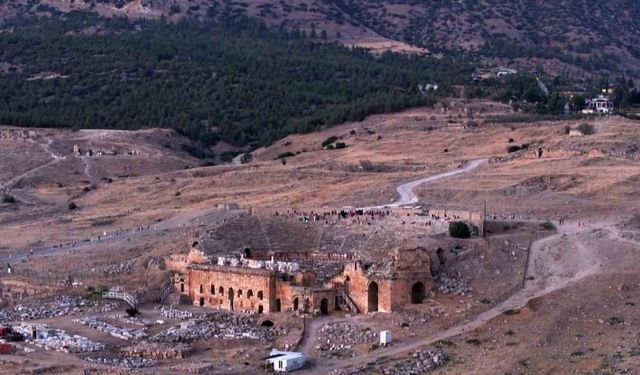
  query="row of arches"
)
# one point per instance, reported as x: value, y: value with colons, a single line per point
x: 230, y: 292
x: 418, y: 294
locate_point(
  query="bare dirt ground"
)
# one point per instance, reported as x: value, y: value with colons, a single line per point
x: 577, y: 280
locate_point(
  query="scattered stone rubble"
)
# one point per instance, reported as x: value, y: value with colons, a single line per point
x: 123, y: 362
x: 195, y: 367
x: 175, y: 314
x: 418, y: 363
x: 219, y: 324
x: 133, y: 320
x: 56, y: 339
x: 453, y: 285
x: 61, y: 306
x: 337, y: 339
x: 121, y: 333
x: 118, y: 269
x: 156, y: 351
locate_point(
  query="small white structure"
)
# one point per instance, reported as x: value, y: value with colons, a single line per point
x: 600, y: 105
x: 502, y: 72
x: 385, y: 338
x: 575, y: 133
x: 286, y: 361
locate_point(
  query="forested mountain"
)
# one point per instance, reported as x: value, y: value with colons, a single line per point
x: 251, y: 71
x: 238, y: 81
x: 566, y: 37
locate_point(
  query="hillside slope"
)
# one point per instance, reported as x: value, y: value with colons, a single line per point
x: 568, y: 37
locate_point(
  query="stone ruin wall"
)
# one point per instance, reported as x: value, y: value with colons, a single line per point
x: 475, y: 217
x: 243, y: 285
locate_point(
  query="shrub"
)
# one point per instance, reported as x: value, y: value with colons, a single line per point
x: 73, y: 206
x: 174, y: 9
x: 458, y: 229
x: 228, y: 156
x: 340, y: 145
x: 8, y: 199
x: 329, y: 141
x: 548, y: 226
x: 287, y: 154
x: 132, y: 311
x: 511, y: 149
x: 587, y: 129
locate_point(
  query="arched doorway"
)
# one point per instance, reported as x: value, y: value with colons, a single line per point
x: 260, y: 309
x: 441, y: 258
x: 267, y: 323
x: 201, y: 301
x: 295, y: 304
x: 231, y: 298
x: 336, y: 303
x: 324, y: 306
x: 247, y: 253
x: 418, y: 293
x: 307, y: 304
x: 373, y: 296
x: 181, y: 285
x: 278, y: 305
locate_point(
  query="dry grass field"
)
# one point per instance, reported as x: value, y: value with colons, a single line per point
x: 580, y: 277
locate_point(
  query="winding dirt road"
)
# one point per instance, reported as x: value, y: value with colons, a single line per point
x: 545, y: 277
x: 408, y: 197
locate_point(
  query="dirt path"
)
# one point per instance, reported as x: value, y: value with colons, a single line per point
x: 54, y: 159
x: 408, y: 197
x: 87, y: 167
x: 182, y: 220
x: 554, y: 268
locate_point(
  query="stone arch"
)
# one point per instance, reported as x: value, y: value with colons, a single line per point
x: 201, y: 289
x: 260, y: 309
x: 278, y: 305
x: 247, y: 253
x: 201, y: 301
x: 181, y: 285
x: 267, y: 323
x: 221, y: 291
x: 230, y: 298
x: 213, y: 290
x: 418, y: 293
x: 260, y: 295
x: 295, y: 304
x: 307, y: 304
x: 372, y: 297
x: 324, y: 306
x: 239, y: 293
x: 442, y: 259
x: 249, y: 293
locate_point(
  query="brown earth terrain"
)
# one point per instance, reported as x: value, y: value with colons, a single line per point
x: 530, y: 297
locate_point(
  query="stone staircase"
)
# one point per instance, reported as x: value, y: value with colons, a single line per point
x: 348, y: 302
x: 332, y: 238
x: 290, y: 234
x: 122, y: 296
x: 167, y: 289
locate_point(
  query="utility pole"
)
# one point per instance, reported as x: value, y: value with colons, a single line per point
x: 484, y: 219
